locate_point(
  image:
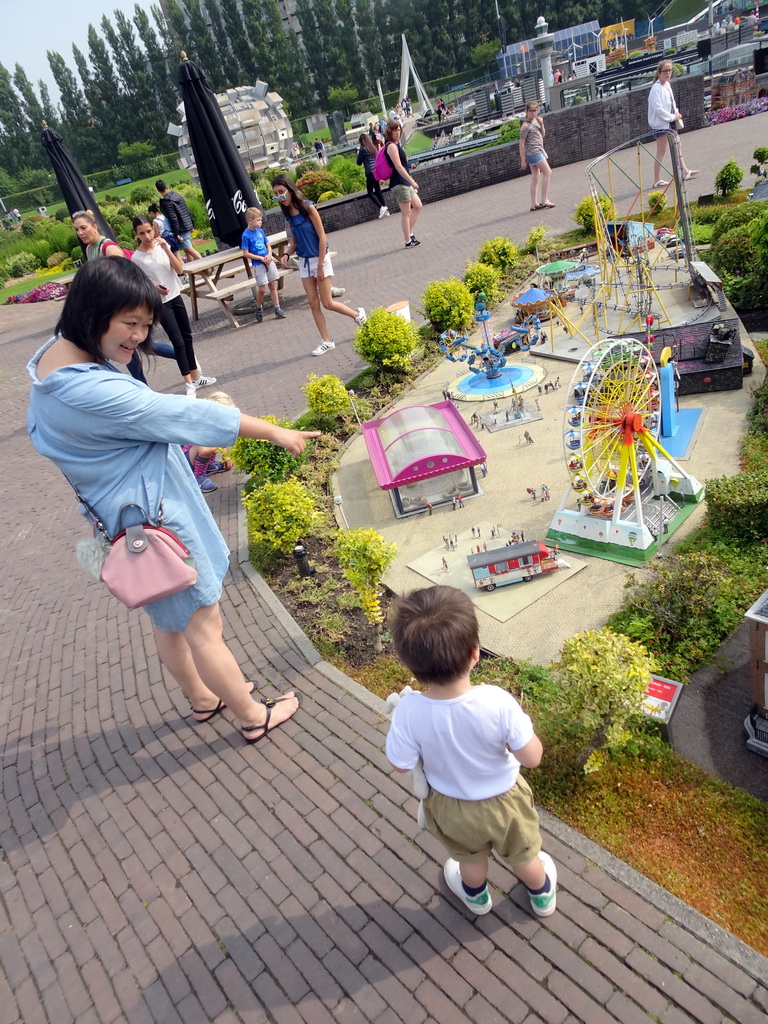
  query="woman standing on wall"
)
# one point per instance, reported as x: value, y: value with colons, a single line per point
x: 366, y: 155
x: 533, y: 155
x: 664, y: 118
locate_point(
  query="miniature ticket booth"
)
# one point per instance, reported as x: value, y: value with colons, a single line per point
x: 425, y: 456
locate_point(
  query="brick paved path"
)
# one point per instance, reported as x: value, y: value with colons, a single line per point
x: 154, y: 870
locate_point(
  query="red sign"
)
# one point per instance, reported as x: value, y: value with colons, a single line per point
x: 660, y: 697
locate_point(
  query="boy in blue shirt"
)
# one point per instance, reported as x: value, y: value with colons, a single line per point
x: 257, y: 249
x: 472, y: 741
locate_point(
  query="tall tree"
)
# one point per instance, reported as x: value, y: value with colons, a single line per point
x: 230, y: 69
x: 14, y: 142
x: 238, y: 40
x: 161, y: 70
x: 74, y: 115
x: 288, y: 73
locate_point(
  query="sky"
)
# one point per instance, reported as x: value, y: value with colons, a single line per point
x: 29, y: 29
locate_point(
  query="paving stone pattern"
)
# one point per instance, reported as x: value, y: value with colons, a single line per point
x: 158, y: 871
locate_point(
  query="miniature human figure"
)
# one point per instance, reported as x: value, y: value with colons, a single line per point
x: 528, y: 438
x: 429, y: 508
x: 532, y: 492
x: 544, y: 492
x: 478, y: 533
x: 483, y: 469
x: 445, y: 565
x: 493, y: 531
x: 506, y: 416
x: 459, y: 501
x: 485, y: 546
x: 522, y: 537
x: 453, y: 503
x: 472, y: 741
x: 478, y: 549
x: 495, y: 406
x: 557, y: 383
x: 473, y: 531
x: 540, y: 388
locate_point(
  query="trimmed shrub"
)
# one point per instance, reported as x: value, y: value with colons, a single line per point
x: 657, y: 202
x: 482, y: 277
x: 728, y: 178
x: 510, y: 132
x: 385, y: 339
x: 279, y: 514
x: 263, y: 460
x: 142, y: 195
x: 327, y: 398
x: 735, y: 216
x: 349, y: 171
x: 76, y: 252
x: 738, y: 506
x: 585, y: 211
x: 313, y: 185
x: 56, y: 259
x: 21, y: 264
x: 328, y: 195
x: 734, y: 252
x: 535, y: 237
x: 499, y: 252
x: 448, y: 304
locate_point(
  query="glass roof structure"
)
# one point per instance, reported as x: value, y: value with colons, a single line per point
x: 419, y: 442
x: 576, y: 43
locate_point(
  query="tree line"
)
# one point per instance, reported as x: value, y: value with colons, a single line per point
x: 123, y: 86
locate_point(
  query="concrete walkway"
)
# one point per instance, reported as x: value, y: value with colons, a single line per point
x: 158, y: 871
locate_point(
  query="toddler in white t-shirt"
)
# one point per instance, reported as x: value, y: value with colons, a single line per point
x: 472, y: 741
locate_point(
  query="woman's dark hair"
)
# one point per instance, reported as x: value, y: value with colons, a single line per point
x: 367, y: 143
x: 102, y: 289
x: 139, y: 219
x: 297, y: 199
x: 153, y: 208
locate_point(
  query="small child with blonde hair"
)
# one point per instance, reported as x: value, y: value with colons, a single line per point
x: 256, y: 248
x: 202, y: 460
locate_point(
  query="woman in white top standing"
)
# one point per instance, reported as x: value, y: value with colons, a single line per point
x: 662, y: 117
x: 162, y: 267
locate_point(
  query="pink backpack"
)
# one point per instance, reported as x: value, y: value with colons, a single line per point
x: 382, y: 168
x: 128, y: 253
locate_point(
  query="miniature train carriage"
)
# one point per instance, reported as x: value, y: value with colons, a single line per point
x: 510, y: 564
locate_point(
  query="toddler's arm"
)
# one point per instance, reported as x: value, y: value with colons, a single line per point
x: 530, y: 755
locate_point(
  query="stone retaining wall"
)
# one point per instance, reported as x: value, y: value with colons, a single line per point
x: 578, y: 133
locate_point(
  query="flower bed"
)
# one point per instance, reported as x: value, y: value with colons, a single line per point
x: 725, y: 114
x: 42, y: 293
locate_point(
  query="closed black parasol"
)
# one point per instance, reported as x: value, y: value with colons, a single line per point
x: 73, y: 185
x: 227, y: 189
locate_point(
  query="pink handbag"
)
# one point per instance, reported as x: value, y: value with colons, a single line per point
x: 143, y: 563
x: 147, y: 563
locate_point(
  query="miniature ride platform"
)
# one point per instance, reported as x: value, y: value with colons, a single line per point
x: 513, y: 378
x: 505, y: 602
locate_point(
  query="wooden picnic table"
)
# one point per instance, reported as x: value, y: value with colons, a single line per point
x: 212, y: 276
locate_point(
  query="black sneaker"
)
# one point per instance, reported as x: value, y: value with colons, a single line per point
x: 259, y: 314
x: 279, y: 314
x: 411, y: 244
x: 414, y: 240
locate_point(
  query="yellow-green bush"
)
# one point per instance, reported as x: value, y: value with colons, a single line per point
x: 499, y: 252
x: 386, y: 339
x: 448, y: 304
x: 279, y: 514
x: 482, y: 277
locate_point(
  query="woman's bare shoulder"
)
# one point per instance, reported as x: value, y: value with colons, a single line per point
x: 61, y: 353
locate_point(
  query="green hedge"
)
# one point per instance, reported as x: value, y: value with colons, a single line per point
x: 738, y: 506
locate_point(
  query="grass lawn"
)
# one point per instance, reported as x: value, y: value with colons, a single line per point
x: 418, y: 143
x: 171, y: 178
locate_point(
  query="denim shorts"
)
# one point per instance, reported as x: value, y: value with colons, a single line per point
x: 186, y: 239
x: 535, y: 159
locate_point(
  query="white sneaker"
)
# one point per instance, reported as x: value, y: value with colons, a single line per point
x: 336, y: 293
x: 361, y: 317
x: 480, y: 904
x: 204, y: 382
x: 386, y: 212
x: 190, y: 391
x: 546, y: 904
x: 322, y: 348
x: 383, y: 212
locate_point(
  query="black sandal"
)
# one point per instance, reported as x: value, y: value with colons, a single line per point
x: 209, y: 714
x: 269, y: 703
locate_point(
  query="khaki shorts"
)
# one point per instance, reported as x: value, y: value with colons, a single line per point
x: 508, y: 824
x: 402, y: 193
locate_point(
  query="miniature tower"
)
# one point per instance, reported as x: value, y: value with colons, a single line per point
x: 543, y: 44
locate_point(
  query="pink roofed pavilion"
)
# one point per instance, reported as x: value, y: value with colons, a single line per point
x: 423, y: 455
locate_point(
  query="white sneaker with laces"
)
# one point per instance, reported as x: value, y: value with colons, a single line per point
x: 383, y: 212
x: 204, y: 382
x: 361, y: 317
x: 337, y: 292
x: 480, y: 904
x: 386, y: 212
x: 190, y: 391
x: 546, y: 903
x: 322, y: 348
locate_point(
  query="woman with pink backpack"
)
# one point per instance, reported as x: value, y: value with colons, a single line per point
x: 392, y: 164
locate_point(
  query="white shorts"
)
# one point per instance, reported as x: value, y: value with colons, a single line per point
x: 308, y: 266
x: 264, y: 274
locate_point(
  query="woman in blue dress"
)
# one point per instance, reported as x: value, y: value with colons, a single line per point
x: 117, y: 441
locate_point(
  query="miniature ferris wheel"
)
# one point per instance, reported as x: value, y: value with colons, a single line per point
x: 622, y: 481
x: 611, y: 425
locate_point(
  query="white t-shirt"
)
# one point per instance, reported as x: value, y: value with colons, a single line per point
x: 462, y: 742
x: 158, y: 269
